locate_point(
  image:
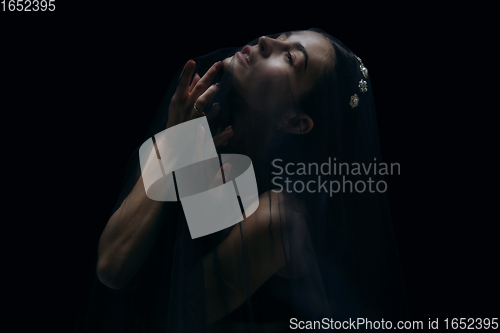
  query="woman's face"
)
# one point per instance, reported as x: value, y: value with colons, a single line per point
x: 278, y: 71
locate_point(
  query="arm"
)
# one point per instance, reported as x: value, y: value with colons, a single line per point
x: 131, y: 232
x: 128, y: 238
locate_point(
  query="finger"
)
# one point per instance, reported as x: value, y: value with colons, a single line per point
x: 226, y: 172
x: 221, y: 176
x: 195, y: 113
x: 223, y: 143
x: 218, y: 179
x: 222, y: 138
x: 183, y: 70
x: 205, y: 81
x: 186, y: 77
x: 214, y: 111
x: 195, y: 80
x: 182, y: 73
x: 204, y: 99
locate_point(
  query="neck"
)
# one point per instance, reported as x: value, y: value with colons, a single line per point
x: 252, y: 135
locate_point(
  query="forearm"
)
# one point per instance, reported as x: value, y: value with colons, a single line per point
x: 128, y: 238
x: 131, y: 232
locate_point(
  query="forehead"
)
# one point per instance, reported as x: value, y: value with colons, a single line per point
x: 318, y: 46
x: 312, y: 38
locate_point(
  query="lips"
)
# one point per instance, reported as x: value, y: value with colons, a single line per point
x: 244, y: 55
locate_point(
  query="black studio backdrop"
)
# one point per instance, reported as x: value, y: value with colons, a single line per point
x: 87, y: 80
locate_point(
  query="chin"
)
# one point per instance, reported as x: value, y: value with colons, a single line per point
x: 226, y: 62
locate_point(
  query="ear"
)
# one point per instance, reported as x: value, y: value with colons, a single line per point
x: 300, y: 124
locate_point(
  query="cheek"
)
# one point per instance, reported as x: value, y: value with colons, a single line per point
x: 270, y: 74
x: 266, y: 83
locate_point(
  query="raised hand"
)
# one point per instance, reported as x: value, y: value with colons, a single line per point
x: 190, y: 100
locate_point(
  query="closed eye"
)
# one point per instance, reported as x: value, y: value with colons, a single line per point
x: 299, y: 47
x: 289, y: 57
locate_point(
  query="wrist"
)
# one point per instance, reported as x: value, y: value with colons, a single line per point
x: 171, y: 123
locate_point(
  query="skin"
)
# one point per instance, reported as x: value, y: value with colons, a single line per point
x: 276, y: 73
x: 131, y: 232
x: 271, y: 85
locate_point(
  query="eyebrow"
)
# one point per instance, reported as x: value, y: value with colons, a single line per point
x: 299, y: 47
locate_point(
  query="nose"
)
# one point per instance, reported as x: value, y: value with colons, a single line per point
x: 268, y: 45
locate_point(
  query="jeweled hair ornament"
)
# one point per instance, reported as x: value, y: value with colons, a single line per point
x: 362, y: 85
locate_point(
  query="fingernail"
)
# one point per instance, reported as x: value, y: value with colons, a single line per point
x: 217, y: 84
x: 227, y: 128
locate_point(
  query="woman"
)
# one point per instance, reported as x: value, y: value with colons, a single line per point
x: 297, y: 98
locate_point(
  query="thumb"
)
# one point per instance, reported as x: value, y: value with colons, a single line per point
x: 222, y: 138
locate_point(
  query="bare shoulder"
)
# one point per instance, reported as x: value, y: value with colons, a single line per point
x: 267, y: 236
x: 278, y: 213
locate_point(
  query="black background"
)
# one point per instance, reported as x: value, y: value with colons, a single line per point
x: 80, y: 87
